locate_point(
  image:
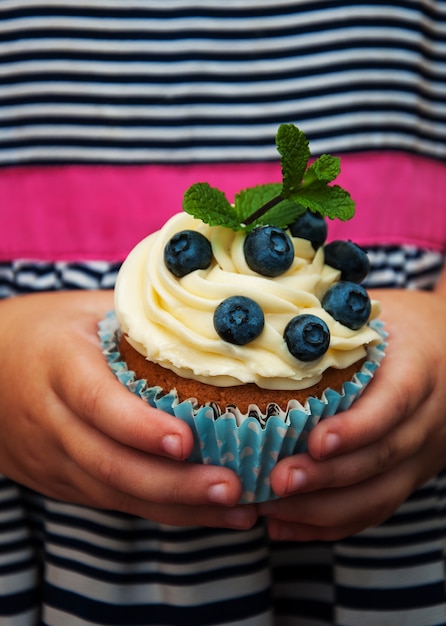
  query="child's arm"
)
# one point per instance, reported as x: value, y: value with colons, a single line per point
x: 71, y: 431
x: 364, y: 463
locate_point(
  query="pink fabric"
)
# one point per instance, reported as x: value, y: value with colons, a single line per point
x: 400, y: 199
x: 81, y: 212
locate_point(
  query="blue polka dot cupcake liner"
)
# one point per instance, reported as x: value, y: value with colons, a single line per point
x: 251, y: 444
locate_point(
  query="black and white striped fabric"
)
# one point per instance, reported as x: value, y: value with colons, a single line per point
x: 67, y: 565
x: 172, y: 81
x: 175, y: 82
x: 23, y: 276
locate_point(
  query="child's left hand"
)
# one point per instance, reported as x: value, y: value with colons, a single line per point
x: 362, y: 465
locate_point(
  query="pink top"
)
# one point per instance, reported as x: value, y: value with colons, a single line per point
x: 86, y: 212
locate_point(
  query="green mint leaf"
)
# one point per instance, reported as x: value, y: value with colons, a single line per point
x: 211, y: 206
x: 248, y: 201
x: 284, y: 214
x: 277, y: 204
x: 326, y: 168
x: 292, y: 145
x: 330, y: 201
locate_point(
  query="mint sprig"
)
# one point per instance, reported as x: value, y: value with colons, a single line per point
x: 292, y: 145
x: 211, y: 206
x: 303, y: 187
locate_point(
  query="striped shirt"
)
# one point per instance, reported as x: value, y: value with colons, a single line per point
x: 173, y: 81
x: 108, y: 111
x: 62, y: 564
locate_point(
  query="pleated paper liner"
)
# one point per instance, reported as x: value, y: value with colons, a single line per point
x: 251, y: 444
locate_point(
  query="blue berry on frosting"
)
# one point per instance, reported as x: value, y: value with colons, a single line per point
x: 271, y: 216
x: 187, y: 251
x: 238, y: 320
x: 268, y: 251
x: 349, y: 258
x: 348, y: 303
x: 307, y: 337
x: 311, y: 226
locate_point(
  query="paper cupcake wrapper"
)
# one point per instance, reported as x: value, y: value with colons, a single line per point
x: 251, y: 446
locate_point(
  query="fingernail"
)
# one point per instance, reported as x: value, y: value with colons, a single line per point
x: 218, y: 493
x: 331, y: 444
x: 238, y: 518
x: 297, y: 480
x: 173, y: 446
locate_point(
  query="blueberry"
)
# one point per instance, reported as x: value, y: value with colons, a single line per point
x: 348, y: 303
x: 307, y: 337
x: 268, y: 250
x: 238, y: 320
x: 311, y: 226
x: 186, y: 251
x: 349, y: 258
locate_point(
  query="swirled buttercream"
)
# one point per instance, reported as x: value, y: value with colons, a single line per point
x: 170, y: 320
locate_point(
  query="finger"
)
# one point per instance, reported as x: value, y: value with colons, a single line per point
x: 321, y: 522
x: 386, y: 403
x: 144, y: 476
x: 60, y: 476
x: 242, y: 517
x: 87, y: 491
x: 100, y: 400
x: 301, y: 473
x: 71, y: 484
x: 353, y: 508
x: 284, y: 531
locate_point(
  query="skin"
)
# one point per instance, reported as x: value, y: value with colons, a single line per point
x: 362, y: 464
x: 74, y: 433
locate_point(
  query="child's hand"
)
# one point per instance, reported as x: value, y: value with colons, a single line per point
x: 364, y: 463
x: 71, y: 431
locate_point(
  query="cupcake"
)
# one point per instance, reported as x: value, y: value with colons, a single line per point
x: 242, y: 321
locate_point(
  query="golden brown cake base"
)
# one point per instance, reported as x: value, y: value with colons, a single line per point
x: 240, y: 395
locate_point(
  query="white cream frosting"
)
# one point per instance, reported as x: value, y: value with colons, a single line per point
x: 170, y: 320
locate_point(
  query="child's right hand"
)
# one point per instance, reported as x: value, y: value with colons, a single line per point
x: 71, y: 431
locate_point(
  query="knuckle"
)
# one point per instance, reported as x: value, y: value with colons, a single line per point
x: 89, y: 400
x: 175, y: 494
x: 108, y: 470
x: 385, y: 456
